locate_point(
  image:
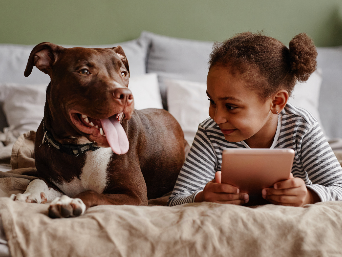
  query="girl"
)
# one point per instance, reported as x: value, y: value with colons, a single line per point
x: 250, y: 79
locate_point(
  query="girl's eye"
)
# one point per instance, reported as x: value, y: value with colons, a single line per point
x: 230, y: 107
x: 211, y: 101
x: 84, y: 72
x: 124, y: 73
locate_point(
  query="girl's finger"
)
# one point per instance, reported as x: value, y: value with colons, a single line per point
x: 236, y: 202
x: 287, y: 191
x: 289, y: 183
x: 284, y: 200
x: 229, y: 198
x: 224, y: 188
x: 218, y: 177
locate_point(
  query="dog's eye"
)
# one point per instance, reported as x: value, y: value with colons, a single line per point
x: 84, y: 72
x: 124, y: 73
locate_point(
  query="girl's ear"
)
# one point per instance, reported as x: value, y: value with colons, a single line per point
x: 279, y: 101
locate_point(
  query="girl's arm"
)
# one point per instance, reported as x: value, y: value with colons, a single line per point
x: 291, y: 192
x: 322, y: 166
x: 197, y: 171
x: 216, y: 192
x: 195, y: 182
x: 322, y: 177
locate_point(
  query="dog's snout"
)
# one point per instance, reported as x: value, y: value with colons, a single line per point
x: 123, y: 95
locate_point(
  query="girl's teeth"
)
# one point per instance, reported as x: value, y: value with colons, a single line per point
x: 86, y: 119
x: 91, y: 124
x: 84, y: 116
x: 101, y: 132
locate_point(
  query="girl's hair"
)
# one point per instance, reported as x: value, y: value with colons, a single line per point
x: 265, y: 63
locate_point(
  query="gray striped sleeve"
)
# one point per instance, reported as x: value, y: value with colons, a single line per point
x: 197, y: 171
x: 321, y: 165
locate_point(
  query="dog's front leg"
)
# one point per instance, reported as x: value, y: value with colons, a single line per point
x: 66, y: 207
x: 37, y: 192
x: 61, y: 205
x: 91, y: 198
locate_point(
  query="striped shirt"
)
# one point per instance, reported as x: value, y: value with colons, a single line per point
x: 297, y: 129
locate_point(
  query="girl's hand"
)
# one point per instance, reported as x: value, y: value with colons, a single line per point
x: 290, y: 192
x: 216, y: 192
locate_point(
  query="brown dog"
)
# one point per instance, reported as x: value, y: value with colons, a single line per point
x: 92, y: 145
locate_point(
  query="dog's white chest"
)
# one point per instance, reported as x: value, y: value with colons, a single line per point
x: 93, y: 176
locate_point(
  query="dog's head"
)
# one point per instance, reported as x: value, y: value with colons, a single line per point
x: 88, y: 95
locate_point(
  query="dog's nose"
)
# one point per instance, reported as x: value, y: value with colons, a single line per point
x: 123, y: 96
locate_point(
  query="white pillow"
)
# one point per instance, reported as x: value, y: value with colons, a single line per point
x: 306, y: 95
x: 24, y: 104
x: 145, y: 90
x: 188, y: 102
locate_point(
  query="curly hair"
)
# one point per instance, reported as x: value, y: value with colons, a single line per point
x: 265, y: 63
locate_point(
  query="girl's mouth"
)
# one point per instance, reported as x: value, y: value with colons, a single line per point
x: 227, y: 131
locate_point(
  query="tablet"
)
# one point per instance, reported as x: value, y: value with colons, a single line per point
x: 251, y: 170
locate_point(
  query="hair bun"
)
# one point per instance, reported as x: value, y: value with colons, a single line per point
x: 303, y: 55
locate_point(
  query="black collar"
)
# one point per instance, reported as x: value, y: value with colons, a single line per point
x: 68, y: 149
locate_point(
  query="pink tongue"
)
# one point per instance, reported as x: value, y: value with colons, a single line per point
x: 116, y: 136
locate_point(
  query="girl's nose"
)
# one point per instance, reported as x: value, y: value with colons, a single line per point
x: 220, y: 116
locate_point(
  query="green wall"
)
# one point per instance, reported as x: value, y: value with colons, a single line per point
x: 104, y: 21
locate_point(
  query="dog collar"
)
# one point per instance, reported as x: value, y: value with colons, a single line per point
x: 67, y: 148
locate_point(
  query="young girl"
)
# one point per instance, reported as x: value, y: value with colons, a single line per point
x: 250, y: 79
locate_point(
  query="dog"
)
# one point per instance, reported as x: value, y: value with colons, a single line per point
x: 92, y: 147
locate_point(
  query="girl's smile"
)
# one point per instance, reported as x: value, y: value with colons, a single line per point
x: 239, y: 111
x: 227, y: 131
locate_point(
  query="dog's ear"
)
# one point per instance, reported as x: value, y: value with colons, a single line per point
x: 43, y: 56
x: 120, y: 52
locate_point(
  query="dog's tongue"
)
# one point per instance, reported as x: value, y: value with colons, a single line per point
x: 116, y: 136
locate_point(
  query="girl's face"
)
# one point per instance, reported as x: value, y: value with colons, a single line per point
x: 239, y: 111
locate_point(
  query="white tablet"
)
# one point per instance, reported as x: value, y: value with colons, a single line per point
x: 251, y: 170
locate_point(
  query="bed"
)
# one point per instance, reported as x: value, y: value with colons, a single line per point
x: 167, y: 73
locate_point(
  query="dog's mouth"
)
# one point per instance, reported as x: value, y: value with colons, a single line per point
x: 89, y: 124
x: 107, y: 130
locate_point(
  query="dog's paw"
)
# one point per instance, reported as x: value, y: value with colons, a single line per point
x: 30, y: 197
x: 65, y: 207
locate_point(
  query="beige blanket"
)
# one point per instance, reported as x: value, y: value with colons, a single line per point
x: 204, y: 229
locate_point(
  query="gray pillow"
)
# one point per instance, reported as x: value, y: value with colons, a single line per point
x: 136, y: 52
x: 13, y: 59
x: 176, y: 58
x: 329, y: 60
